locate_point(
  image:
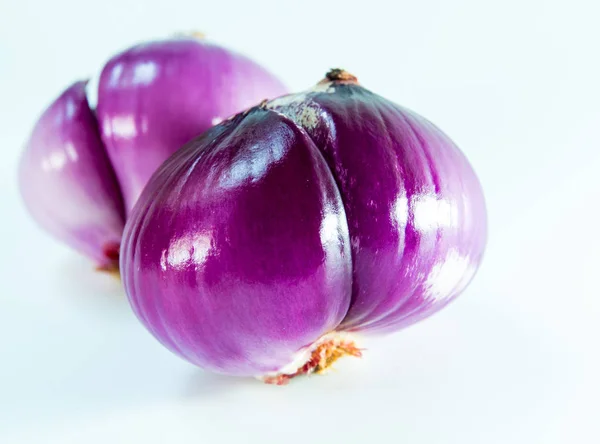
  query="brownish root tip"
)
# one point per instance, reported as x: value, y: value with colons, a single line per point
x: 338, y: 75
x: 321, y: 359
x: 112, y: 270
x: 111, y: 252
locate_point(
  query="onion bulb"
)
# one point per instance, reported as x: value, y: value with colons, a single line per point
x: 262, y: 247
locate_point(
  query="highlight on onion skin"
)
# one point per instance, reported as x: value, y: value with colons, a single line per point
x: 67, y: 182
x: 262, y: 247
x: 82, y: 169
x: 155, y: 97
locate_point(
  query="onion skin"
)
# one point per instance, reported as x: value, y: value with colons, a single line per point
x: 415, y: 208
x: 155, y: 97
x: 67, y: 182
x: 258, y: 247
x: 237, y: 254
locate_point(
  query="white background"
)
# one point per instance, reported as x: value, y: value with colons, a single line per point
x: 513, y: 360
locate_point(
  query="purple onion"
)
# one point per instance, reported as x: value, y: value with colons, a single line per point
x: 152, y: 98
x: 261, y: 246
x: 155, y: 97
x: 68, y: 183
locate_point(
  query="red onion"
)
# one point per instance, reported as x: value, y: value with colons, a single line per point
x: 67, y: 182
x: 260, y: 247
x: 152, y: 98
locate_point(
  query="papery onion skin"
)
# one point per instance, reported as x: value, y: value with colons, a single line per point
x: 415, y: 208
x: 237, y: 254
x: 67, y: 182
x: 154, y: 97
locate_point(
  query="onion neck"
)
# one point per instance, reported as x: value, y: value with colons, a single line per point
x: 190, y: 35
x: 317, y: 358
x: 198, y: 35
x: 339, y: 76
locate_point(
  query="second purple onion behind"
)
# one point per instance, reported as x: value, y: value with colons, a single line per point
x: 260, y: 247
